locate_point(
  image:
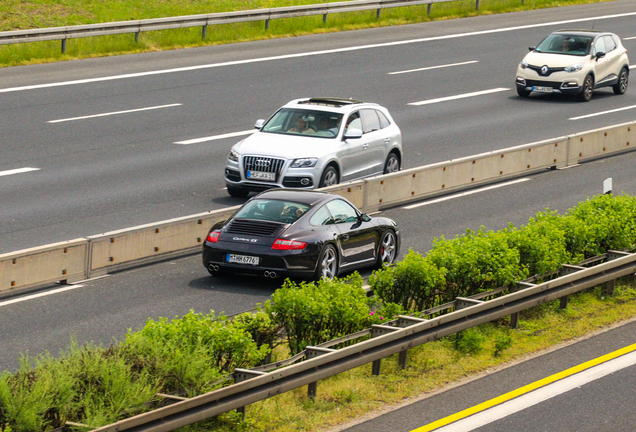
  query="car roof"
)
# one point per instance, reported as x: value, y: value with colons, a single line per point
x: 301, y: 196
x: 331, y: 104
x: 579, y: 32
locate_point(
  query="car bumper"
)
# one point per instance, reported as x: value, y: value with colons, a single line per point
x: 297, y: 178
x: 292, y: 263
x: 559, y: 82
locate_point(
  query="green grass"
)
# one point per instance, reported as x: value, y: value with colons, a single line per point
x: 355, y: 393
x: 20, y: 15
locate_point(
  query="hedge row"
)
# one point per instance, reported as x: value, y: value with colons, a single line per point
x: 190, y: 355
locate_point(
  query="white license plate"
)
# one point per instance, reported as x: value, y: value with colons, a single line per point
x: 542, y: 89
x: 241, y: 259
x: 259, y: 175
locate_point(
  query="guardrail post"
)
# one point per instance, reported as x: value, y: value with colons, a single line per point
x: 428, y: 9
x: 204, y: 32
x: 136, y: 37
x: 63, y: 46
x: 267, y: 24
x: 379, y: 330
x: 514, y: 318
x: 243, y: 375
x: 477, y: 5
x: 324, y: 18
x: 312, y: 352
x: 377, y: 14
x: 609, y: 288
x: 564, y: 302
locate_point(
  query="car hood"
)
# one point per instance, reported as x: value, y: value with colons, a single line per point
x: 285, y: 146
x: 553, y: 60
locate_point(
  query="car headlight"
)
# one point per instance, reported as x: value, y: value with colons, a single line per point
x: 304, y: 163
x: 233, y: 156
x: 574, y: 68
x: 523, y: 64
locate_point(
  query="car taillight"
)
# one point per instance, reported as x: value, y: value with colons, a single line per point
x: 281, y: 244
x: 213, y: 236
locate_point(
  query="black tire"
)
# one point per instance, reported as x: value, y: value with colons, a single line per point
x: 392, y: 163
x: 387, y: 252
x: 623, y: 79
x: 329, y: 177
x: 237, y: 193
x: 588, y: 86
x: 522, y: 92
x: 327, y: 265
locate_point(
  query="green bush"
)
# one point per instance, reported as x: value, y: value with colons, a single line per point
x: 382, y: 312
x: 476, y: 262
x: 316, y: 312
x: 414, y: 283
x: 260, y: 326
x: 502, y: 343
x: 469, y: 341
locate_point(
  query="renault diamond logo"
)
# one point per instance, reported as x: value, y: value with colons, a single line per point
x: 544, y: 70
x: 262, y: 163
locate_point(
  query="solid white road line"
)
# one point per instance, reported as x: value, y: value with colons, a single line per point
x: 313, y: 53
x: 540, y: 395
x: 603, y: 113
x: 435, y: 201
x: 43, y: 294
x: 632, y: 67
x: 433, y: 67
x: 216, y: 137
x: 461, y: 96
x: 17, y: 171
x: 114, y: 113
x: 633, y: 37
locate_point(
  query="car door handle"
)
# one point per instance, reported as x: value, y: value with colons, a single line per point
x: 365, y: 146
x: 386, y: 140
x: 345, y: 237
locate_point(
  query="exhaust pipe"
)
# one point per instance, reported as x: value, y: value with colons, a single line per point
x: 214, y: 267
x: 270, y: 274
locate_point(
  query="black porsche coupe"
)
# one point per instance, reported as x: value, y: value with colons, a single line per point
x: 297, y: 233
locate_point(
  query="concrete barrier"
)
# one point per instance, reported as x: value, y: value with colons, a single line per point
x: 100, y: 254
x: 115, y: 249
x: 64, y: 261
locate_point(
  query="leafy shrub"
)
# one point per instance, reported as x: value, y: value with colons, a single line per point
x: 502, y: 343
x: 476, y: 262
x: 413, y: 283
x: 383, y: 312
x: 315, y: 312
x: 260, y: 326
x: 469, y: 341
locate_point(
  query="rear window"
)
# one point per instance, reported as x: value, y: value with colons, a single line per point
x: 272, y: 210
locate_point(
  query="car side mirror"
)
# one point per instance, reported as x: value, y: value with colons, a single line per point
x: 353, y: 134
x: 365, y: 217
x: 600, y: 54
x: 532, y: 48
x: 259, y: 123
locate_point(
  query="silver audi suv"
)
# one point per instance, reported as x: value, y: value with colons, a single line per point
x: 315, y: 142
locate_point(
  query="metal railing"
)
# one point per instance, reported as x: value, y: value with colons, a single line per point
x: 205, y: 20
x: 395, y: 337
x: 97, y: 255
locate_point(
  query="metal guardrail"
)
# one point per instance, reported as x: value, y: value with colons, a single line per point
x: 97, y: 255
x: 204, y: 20
x: 404, y: 333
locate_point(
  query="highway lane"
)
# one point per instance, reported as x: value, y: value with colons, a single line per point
x: 103, y: 309
x: 604, y: 404
x: 110, y: 172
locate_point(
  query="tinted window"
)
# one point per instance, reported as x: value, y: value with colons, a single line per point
x: 609, y: 43
x: 321, y: 217
x: 342, y: 212
x: 304, y: 122
x: 384, y: 122
x: 370, y: 121
x: 272, y: 210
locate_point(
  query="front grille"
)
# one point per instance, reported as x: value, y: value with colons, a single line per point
x: 253, y: 227
x: 553, y: 84
x: 294, y: 182
x: 232, y: 175
x: 537, y: 69
x: 263, y: 164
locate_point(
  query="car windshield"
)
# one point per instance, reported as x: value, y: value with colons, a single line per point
x: 272, y: 210
x: 565, y: 44
x: 292, y: 121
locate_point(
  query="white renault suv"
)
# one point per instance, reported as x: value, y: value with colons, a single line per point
x: 315, y: 142
x: 574, y: 62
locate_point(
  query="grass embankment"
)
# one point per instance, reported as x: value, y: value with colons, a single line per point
x: 22, y: 15
x: 432, y: 366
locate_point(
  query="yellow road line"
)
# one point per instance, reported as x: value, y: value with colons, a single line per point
x: 523, y: 390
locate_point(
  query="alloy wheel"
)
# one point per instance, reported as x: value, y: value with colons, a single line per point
x: 392, y: 164
x: 328, y: 264
x: 387, y: 251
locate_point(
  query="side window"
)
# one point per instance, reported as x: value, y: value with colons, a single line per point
x: 609, y: 43
x: 384, y: 122
x: 370, y: 121
x: 321, y: 217
x: 353, y: 122
x: 342, y: 212
x: 599, y: 46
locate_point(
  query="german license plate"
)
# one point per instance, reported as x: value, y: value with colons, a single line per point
x: 260, y: 175
x: 241, y: 259
x: 542, y: 89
